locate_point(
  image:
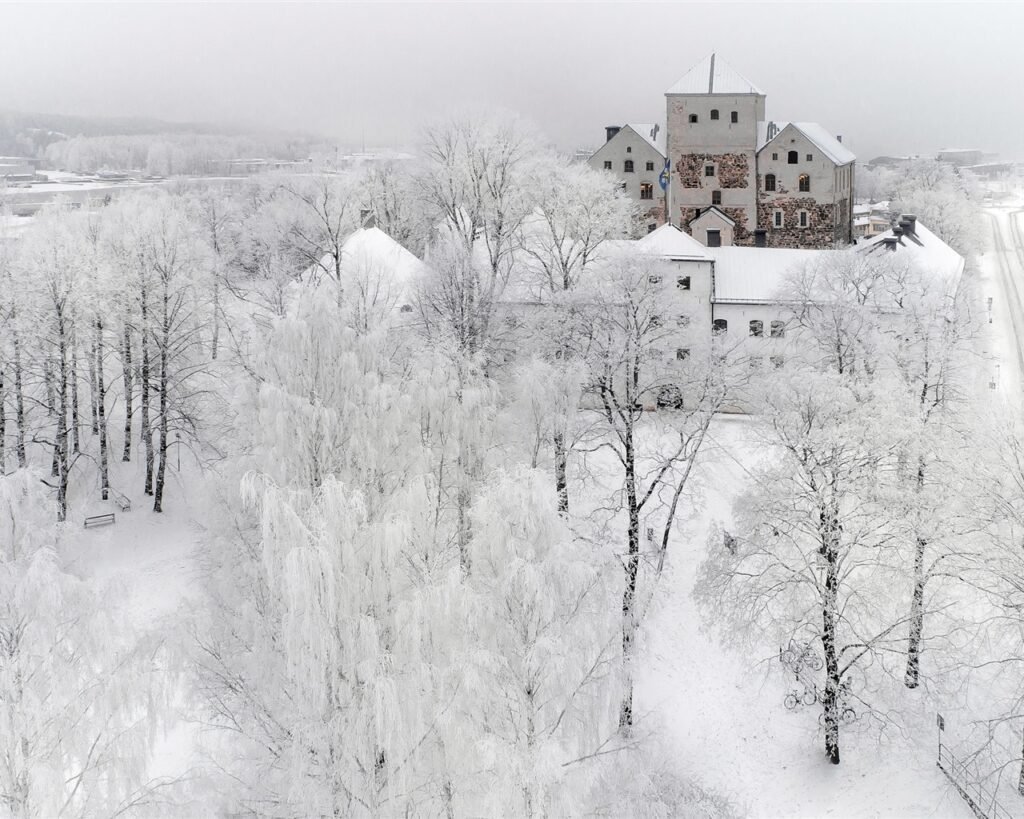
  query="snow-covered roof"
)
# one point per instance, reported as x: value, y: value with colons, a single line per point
x: 379, y: 263
x: 927, y: 250
x: 754, y: 274
x: 714, y: 211
x: 653, y: 134
x: 673, y: 243
x: 816, y: 134
x: 713, y: 75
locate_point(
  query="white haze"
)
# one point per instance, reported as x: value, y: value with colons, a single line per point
x: 891, y: 78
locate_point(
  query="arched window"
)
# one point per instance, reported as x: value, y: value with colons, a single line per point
x: 719, y: 326
x: 769, y: 182
x: 714, y: 113
x: 628, y: 166
x: 794, y: 157
x: 805, y: 183
x: 734, y: 117
x: 693, y: 118
x: 757, y: 328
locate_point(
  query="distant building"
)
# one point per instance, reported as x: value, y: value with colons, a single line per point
x: 960, y: 156
x: 786, y: 184
x: 635, y: 154
x: 870, y: 219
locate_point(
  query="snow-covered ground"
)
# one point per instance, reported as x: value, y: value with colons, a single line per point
x: 723, y: 713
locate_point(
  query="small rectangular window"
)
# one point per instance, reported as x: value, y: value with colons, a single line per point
x: 709, y: 170
x: 650, y: 166
x: 682, y: 353
x: 716, y: 197
x: 757, y: 328
x: 646, y: 190
x: 777, y: 218
x: 760, y: 238
x: 629, y: 149
x: 803, y: 218
x: 810, y: 157
x: 654, y: 279
x: 652, y: 227
x: 683, y: 282
x: 778, y: 329
x: 714, y: 238
x: 775, y: 157
x: 735, y: 116
x: 607, y: 164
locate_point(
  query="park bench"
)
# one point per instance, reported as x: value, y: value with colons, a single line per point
x: 99, y: 520
x: 123, y: 503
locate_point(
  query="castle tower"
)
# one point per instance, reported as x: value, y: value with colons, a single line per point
x: 712, y: 116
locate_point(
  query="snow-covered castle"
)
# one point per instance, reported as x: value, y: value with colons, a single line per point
x: 727, y: 175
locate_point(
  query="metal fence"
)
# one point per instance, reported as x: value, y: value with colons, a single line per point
x: 980, y: 799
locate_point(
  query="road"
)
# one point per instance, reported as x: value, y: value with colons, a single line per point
x: 1002, y: 288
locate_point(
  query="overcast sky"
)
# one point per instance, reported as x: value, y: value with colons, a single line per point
x: 891, y: 78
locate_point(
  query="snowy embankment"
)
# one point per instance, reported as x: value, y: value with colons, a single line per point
x: 722, y: 712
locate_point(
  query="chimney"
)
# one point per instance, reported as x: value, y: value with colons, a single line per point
x: 610, y: 131
x: 908, y: 222
x: 897, y: 231
x: 366, y: 218
x: 890, y: 243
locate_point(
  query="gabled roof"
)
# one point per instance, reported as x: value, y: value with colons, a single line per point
x: 815, y: 134
x: 714, y: 210
x: 652, y: 133
x: 673, y: 243
x: 713, y: 75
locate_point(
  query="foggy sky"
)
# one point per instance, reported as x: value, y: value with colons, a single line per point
x: 891, y: 78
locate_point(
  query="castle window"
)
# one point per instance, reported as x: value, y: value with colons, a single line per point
x: 810, y: 157
x: 628, y: 166
x: 646, y: 190
x: 714, y: 113
x: 734, y: 116
x: 653, y: 226
x: 777, y: 218
x: 682, y: 353
x: 683, y: 282
x: 778, y: 329
x: 650, y: 166
x: 693, y: 118
x: 709, y: 170
x: 769, y: 182
x: 794, y: 157
x: 804, y: 221
x: 760, y: 238
x: 714, y: 238
x: 804, y: 183
x: 607, y: 164
x: 716, y: 197
x: 629, y: 149
x: 757, y: 328
x: 719, y: 326
x: 775, y: 157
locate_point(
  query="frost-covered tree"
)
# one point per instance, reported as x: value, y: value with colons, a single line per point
x: 810, y: 562
x: 628, y: 339
x: 80, y: 692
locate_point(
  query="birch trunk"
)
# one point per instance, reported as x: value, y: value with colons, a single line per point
x: 126, y: 377
x: 101, y: 410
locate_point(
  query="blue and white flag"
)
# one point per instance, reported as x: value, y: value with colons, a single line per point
x: 663, y: 178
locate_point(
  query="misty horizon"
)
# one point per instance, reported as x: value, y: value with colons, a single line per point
x: 891, y: 79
